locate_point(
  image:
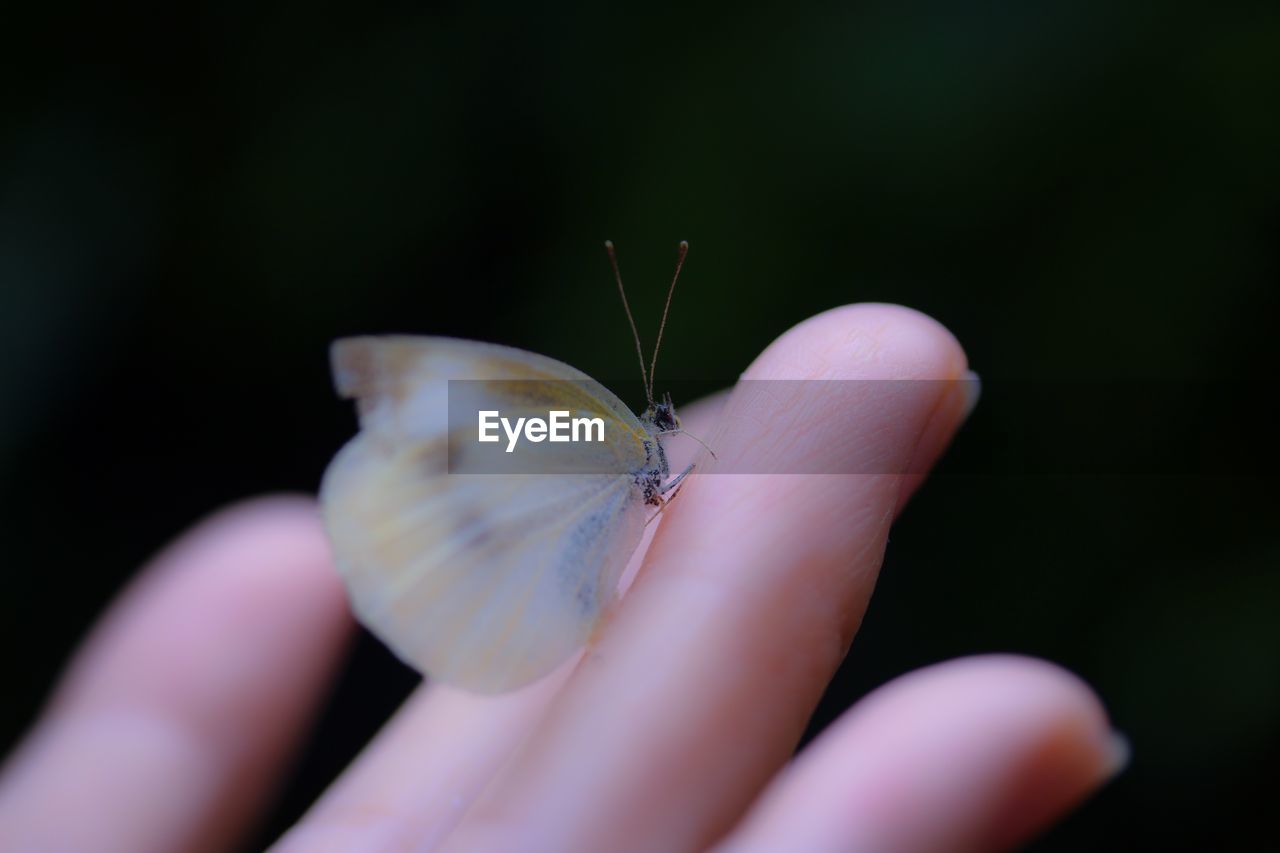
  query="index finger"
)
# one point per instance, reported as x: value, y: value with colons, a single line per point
x: 177, y: 717
x: 751, y: 592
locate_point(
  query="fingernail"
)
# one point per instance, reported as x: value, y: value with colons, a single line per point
x: 972, y: 392
x: 957, y: 398
x: 1118, y: 755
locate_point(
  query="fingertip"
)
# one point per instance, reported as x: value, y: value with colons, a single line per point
x: 871, y: 340
x: 977, y: 753
x: 177, y: 714
x: 247, y: 577
x: 286, y: 525
x: 274, y: 544
x: 881, y: 341
x: 1019, y: 704
x: 861, y: 389
x: 1052, y: 743
x: 1011, y: 681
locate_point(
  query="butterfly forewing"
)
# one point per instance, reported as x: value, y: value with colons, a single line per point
x: 484, y: 581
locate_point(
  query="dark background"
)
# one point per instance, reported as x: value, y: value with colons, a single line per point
x: 194, y: 202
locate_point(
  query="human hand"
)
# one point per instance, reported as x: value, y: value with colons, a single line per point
x: 674, y: 731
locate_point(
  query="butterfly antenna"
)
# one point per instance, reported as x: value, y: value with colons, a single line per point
x: 684, y: 250
x: 613, y: 260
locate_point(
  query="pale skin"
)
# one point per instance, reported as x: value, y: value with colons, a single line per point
x: 676, y: 729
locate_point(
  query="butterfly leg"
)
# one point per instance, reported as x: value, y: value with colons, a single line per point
x: 674, y: 482
x: 673, y: 486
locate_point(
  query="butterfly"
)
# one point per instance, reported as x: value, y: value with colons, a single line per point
x: 486, y: 581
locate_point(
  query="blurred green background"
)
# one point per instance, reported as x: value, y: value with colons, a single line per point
x: 194, y: 201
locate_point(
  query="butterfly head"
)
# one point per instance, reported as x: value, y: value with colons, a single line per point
x: 661, y: 415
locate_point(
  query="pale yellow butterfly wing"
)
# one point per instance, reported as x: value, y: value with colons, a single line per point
x: 483, y: 581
